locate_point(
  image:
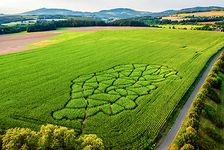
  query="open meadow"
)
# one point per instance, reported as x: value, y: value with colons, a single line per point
x: 209, y: 13
x: 179, y: 26
x: 121, y: 85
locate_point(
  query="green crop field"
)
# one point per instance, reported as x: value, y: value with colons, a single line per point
x: 179, y: 26
x: 121, y: 85
x: 209, y: 13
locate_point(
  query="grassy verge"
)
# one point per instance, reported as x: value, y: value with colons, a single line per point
x: 179, y: 107
x: 204, y: 117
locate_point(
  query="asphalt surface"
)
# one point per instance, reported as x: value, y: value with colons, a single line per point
x: 176, y: 126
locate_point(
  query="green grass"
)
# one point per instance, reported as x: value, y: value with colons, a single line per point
x: 77, y: 103
x: 11, y: 25
x: 126, y: 103
x: 64, y: 28
x: 57, y: 39
x: 209, y: 13
x: 179, y: 26
x: 35, y: 83
x: 217, y: 109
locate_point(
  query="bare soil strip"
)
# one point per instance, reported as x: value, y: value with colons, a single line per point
x: 15, y: 42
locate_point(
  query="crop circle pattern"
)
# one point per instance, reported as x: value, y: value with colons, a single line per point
x: 112, y: 91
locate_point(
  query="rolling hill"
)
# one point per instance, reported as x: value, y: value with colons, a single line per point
x: 114, y: 13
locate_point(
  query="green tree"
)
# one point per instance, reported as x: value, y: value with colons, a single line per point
x: 187, y: 147
x: 19, y: 139
x: 54, y: 137
x: 91, y: 142
x: 190, y: 138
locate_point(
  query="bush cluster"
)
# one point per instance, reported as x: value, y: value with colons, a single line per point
x: 49, y: 137
x: 188, y: 137
x: 214, y: 134
x: 210, y: 113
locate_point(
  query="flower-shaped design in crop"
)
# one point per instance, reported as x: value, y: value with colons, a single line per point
x: 112, y: 91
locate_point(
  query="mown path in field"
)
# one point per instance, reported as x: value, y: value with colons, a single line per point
x: 176, y: 126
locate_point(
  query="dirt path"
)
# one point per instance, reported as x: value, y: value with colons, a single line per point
x: 15, y: 42
x: 173, y: 131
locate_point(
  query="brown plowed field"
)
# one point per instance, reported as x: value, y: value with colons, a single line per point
x: 14, y: 43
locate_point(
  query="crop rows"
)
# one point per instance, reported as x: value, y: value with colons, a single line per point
x: 36, y: 84
x: 112, y: 91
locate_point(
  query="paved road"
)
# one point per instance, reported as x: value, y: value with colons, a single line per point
x: 172, y: 133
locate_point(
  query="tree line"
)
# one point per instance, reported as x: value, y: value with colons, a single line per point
x: 53, y: 25
x: 49, y: 137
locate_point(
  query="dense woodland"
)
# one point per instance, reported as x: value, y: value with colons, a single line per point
x: 159, y: 21
x: 78, y: 21
x: 45, y: 26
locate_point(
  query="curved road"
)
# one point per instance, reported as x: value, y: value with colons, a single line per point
x: 175, y: 128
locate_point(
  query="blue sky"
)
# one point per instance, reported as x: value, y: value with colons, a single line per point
x: 17, y: 6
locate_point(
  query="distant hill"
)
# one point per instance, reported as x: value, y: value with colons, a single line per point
x: 113, y: 13
x: 210, y: 8
x: 53, y: 11
x: 119, y: 13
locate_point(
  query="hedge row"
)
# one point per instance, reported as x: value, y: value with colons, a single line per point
x: 49, y: 137
x: 188, y: 137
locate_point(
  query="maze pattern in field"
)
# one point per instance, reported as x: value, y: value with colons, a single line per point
x: 112, y: 91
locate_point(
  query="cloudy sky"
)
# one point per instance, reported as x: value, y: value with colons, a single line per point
x: 17, y: 6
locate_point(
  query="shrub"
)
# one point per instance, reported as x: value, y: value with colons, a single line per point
x: 221, y: 56
x: 210, y: 113
x: 212, y: 81
x: 198, y: 104
x: 192, y: 130
x: 201, y: 96
x: 215, y: 81
x: 190, y: 138
x: 204, y: 91
x: 194, y: 115
x: 212, y: 74
x: 219, y: 83
x: 212, y: 133
x: 219, y: 63
x: 206, y: 143
x: 91, y: 142
x: 193, y: 123
x: 17, y: 138
x: 218, y: 122
x: 1, y: 136
x: 54, y: 137
x: 215, y: 69
x: 214, y: 96
x: 187, y: 147
x: 206, y: 86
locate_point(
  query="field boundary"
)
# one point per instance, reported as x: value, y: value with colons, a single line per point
x: 177, y: 110
x: 147, y: 75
